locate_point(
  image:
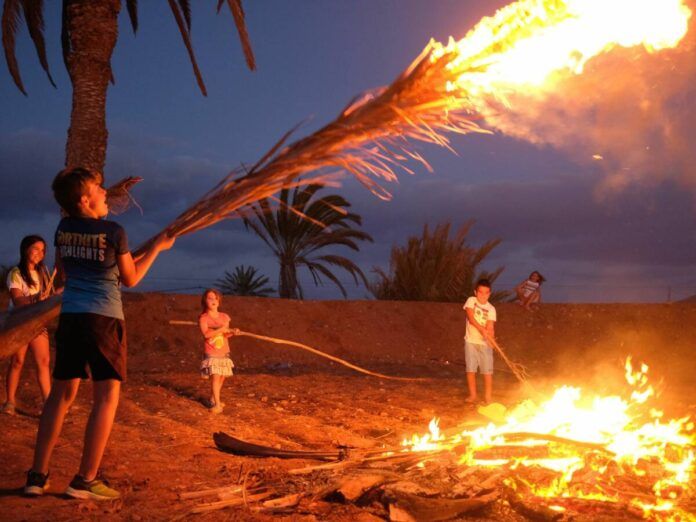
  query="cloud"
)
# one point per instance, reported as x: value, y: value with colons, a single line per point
x: 557, y: 218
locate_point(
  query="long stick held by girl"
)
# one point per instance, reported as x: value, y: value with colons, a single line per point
x: 215, y: 327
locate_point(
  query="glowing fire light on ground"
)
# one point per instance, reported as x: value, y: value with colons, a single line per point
x: 612, y: 439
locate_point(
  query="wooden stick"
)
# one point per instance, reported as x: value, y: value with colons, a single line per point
x: 214, y: 491
x: 312, y: 350
x: 518, y: 436
x: 403, y: 455
x: 49, y: 286
x: 212, y: 506
x: 516, y: 368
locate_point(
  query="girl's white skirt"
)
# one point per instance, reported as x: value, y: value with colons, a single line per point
x: 216, y: 366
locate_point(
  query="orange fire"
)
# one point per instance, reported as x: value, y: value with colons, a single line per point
x: 525, y: 44
x: 577, y: 428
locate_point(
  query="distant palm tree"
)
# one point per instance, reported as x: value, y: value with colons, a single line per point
x: 89, y: 31
x: 245, y: 281
x: 300, y: 228
x: 435, y: 267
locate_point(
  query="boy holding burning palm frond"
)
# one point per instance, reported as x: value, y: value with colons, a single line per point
x: 93, y: 258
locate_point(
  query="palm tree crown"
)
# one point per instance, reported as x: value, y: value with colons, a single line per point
x: 436, y: 267
x: 32, y: 11
x: 300, y: 228
x: 245, y: 281
x: 89, y: 31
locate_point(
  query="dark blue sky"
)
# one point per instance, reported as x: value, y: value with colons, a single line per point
x: 548, y: 201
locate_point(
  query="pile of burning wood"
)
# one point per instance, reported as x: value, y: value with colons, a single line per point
x: 565, y: 458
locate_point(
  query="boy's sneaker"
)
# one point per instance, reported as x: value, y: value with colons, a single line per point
x: 9, y: 408
x: 36, y: 483
x: 96, y: 489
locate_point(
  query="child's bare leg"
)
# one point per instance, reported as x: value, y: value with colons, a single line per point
x: 488, y: 386
x: 99, y: 425
x: 59, y: 400
x: 216, y: 383
x: 527, y: 303
x: 39, y: 346
x: 471, y: 382
x: 14, y: 370
x: 520, y: 297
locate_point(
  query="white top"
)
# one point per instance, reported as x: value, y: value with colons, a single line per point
x: 529, y: 287
x: 482, y: 314
x: 16, y: 281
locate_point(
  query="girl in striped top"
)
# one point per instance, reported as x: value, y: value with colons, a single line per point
x: 529, y: 291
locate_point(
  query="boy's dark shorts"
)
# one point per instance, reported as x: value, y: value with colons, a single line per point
x: 92, y: 340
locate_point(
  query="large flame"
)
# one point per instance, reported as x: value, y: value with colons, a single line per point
x: 587, y: 433
x: 525, y: 43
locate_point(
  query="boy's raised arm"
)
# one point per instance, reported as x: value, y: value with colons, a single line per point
x: 133, y: 271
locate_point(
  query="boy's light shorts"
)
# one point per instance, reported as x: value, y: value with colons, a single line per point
x: 478, y: 357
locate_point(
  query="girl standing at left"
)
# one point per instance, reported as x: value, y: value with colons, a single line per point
x: 28, y: 283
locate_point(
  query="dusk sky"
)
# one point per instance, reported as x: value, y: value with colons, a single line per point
x: 620, y: 228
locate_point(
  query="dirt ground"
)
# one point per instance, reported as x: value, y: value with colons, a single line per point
x: 161, y: 444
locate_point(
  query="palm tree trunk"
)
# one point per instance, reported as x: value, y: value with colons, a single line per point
x: 288, y: 287
x: 92, y: 26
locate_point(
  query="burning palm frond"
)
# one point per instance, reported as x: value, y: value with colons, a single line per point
x: 369, y: 139
x: 119, y: 197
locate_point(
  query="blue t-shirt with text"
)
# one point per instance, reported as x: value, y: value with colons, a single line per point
x: 88, y: 248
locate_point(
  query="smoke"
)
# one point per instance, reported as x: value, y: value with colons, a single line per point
x: 630, y: 113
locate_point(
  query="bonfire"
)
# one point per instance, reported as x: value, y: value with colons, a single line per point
x: 573, y: 455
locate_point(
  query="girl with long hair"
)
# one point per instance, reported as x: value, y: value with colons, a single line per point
x: 29, y: 282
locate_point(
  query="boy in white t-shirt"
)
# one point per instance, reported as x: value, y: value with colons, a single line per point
x: 481, y: 317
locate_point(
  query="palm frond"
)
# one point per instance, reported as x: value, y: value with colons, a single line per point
x: 239, y: 20
x: 297, y: 212
x: 187, y: 42
x: 317, y: 268
x: 347, y: 265
x: 11, y: 14
x: 266, y: 218
x: 262, y: 232
x: 65, y: 35
x: 132, y: 8
x: 185, y: 7
x: 33, y: 15
x: 335, y: 238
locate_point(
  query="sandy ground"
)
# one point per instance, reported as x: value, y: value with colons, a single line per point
x: 161, y: 444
